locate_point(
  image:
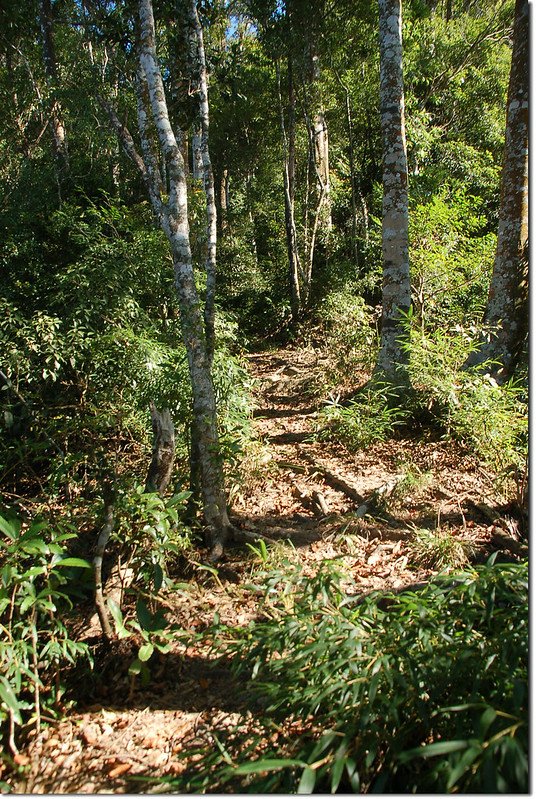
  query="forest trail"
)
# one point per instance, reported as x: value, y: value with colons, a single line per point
x: 124, y: 732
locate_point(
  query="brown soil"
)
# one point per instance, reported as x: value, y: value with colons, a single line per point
x: 125, y: 731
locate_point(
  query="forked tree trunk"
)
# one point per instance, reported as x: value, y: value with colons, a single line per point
x: 396, y: 296
x: 174, y: 216
x: 506, y: 315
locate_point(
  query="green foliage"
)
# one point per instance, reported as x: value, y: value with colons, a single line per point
x: 347, y: 332
x: 372, y: 416
x: 421, y: 691
x: 154, y: 533
x: 38, y: 584
x: 105, y: 341
x: 151, y: 630
x: 489, y: 419
x: 451, y: 258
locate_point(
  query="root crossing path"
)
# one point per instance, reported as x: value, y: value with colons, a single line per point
x: 358, y: 508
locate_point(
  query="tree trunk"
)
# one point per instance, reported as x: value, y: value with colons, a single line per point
x: 321, y: 141
x: 161, y: 466
x: 59, y: 137
x: 392, y: 359
x: 224, y: 200
x: 289, y: 169
x: 174, y: 216
x: 197, y: 159
x: 199, y: 80
x: 507, y: 310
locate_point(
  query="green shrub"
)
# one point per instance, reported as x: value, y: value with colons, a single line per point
x: 371, y: 417
x: 491, y: 420
x: 347, y: 332
x: 37, y: 592
x: 421, y: 691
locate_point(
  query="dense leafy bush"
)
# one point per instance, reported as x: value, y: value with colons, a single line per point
x: 421, y: 691
x: 103, y: 340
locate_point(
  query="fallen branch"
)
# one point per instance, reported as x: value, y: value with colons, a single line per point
x: 333, y: 479
x: 321, y: 502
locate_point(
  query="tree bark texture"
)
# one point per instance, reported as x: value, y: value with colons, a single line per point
x: 392, y: 359
x: 176, y: 227
x: 197, y: 160
x: 506, y: 315
x: 161, y: 466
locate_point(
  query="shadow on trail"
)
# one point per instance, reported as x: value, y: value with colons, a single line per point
x: 281, y: 413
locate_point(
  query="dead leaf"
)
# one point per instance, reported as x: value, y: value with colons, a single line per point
x: 150, y: 741
x: 90, y: 734
x: 21, y: 760
x: 120, y: 769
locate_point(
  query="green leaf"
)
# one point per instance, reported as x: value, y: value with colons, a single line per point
x: 353, y: 774
x: 8, y: 528
x: 268, y: 765
x: 145, y: 652
x: 336, y: 773
x: 144, y: 615
x: 463, y: 765
x: 432, y: 750
x: 8, y: 697
x: 117, y: 616
x: 35, y: 546
x: 486, y: 720
x: 158, y: 577
x: 135, y: 667
x: 82, y: 564
x: 307, y: 782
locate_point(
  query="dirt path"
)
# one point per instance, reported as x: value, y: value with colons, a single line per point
x: 125, y: 731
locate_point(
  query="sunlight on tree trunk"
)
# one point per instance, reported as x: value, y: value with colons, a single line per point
x: 174, y: 216
x: 392, y: 358
x: 506, y: 316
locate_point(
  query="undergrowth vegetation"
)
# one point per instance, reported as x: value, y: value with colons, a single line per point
x: 39, y: 586
x: 465, y: 405
x: 425, y: 690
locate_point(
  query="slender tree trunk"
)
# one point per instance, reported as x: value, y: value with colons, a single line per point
x: 351, y: 158
x: 174, y: 216
x: 199, y: 74
x: 197, y: 158
x: 321, y: 140
x: 224, y: 200
x: 506, y: 314
x: 289, y: 168
x: 59, y: 136
x: 392, y: 358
